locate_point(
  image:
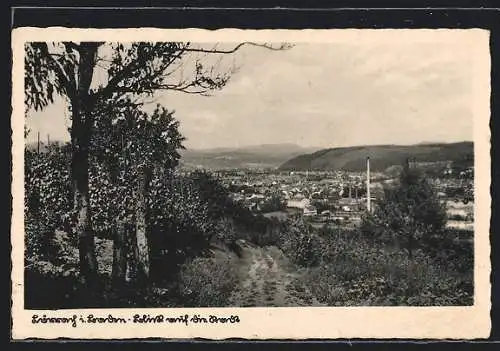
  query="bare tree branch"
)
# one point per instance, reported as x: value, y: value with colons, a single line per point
x: 237, y: 47
x: 59, y: 70
x: 202, y: 83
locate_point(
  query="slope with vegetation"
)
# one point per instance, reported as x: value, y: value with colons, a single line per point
x: 381, y: 156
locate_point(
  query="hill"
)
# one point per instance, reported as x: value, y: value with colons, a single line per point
x: 255, y: 156
x: 381, y: 156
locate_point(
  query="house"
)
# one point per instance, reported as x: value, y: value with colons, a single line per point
x: 348, y: 201
x: 310, y: 211
x: 348, y: 204
x: 300, y: 202
x: 346, y: 208
x: 255, y: 197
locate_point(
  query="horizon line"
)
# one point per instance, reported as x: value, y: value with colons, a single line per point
x: 288, y: 143
x: 328, y: 147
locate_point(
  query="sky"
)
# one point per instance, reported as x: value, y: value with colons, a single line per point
x: 322, y: 95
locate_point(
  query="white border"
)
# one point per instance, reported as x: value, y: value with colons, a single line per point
x: 272, y: 323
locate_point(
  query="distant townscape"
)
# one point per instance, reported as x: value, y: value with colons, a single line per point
x: 335, y: 189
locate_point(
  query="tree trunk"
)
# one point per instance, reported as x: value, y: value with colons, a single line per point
x: 141, y: 224
x: 81, y: 131
x: 131, y: 254
x: 80, y: 169
x: 88, y: 261
x: 119, y: 254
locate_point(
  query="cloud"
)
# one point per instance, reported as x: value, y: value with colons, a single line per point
x: 335, y: 94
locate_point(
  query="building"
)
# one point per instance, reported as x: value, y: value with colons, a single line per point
x: 298, y: 202
x: 348, y: 204
x: 310, y: 211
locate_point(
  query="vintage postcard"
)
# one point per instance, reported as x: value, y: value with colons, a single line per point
x: 257, y: 184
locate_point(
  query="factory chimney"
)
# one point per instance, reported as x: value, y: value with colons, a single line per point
x: 368, y: 195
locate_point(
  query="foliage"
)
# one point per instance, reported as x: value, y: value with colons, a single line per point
x: 322, y: 205
x: 179, y: 224
x: 300, y: 244
x: 355, y: 271
x: 138, y: 68
x: 40, y: 78
x: 410, y: 214
x: 126, y: 137
x: 264, y: 232
x: 207, y: 282
x: 213, y: 193
x: 226, y: 231
x: 112, y: 171
x: 47, y: 185
x: 120, y: 148
x: 275, y: 202
x: 181, y: 219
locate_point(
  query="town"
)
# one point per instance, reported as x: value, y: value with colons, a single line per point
x: 341, y: 197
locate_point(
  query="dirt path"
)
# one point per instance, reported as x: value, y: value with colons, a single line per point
x: 268, y: 279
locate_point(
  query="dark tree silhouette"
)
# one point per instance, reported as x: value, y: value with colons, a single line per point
x: 133, y: 71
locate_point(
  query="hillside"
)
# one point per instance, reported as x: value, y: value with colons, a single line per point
x: 258, y: 156
x: 381, y: 156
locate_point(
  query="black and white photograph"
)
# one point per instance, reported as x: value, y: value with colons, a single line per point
x: 251, y: 173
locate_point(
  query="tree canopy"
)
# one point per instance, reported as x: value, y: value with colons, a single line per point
x: 136, y: 69
x: 409, y: 214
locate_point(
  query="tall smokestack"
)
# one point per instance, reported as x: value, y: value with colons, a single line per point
x: 368, y: 195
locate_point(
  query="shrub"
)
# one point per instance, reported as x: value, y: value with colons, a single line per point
x: 207, y: 282
x: 47, y: 186
x: 300, y: 244
x: 356, y: 271
x: 35, y: 237
x: 265, y: 232
x: 410, y: 215
x: 274, y: 203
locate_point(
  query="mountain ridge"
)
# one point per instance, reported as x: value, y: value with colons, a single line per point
x: 251, y: 156
x: 381, y: 156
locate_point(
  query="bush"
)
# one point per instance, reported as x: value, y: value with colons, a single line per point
x: 265, y: 231
x: 36, y: 234
x: 47, y: 186
x: 179, y: 215
x: 207, y: 282
x: 410, y: 215
x: 356, y: 271
x: 300, y: 244
x: 274, y: 203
